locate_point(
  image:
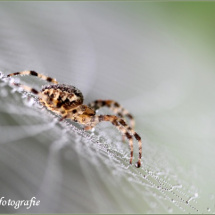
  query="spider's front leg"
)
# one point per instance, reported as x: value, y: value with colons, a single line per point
x: 33, y: 73
x: 120, y: 124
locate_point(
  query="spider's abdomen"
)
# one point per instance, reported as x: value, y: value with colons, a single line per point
x: 61, y: 96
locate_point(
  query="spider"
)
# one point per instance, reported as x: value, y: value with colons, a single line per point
x: 67, y: 101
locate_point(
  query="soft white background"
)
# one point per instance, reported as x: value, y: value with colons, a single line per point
x: 109, y: 50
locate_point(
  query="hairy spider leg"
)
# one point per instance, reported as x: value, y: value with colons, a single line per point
x: 31, y: 90
x: 115, y: 107
x: 33, y: 73
x: 120, y: 124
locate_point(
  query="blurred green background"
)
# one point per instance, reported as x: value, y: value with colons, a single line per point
x: 157, y: 60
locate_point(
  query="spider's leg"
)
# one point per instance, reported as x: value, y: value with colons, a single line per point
x: 115, y: 107
x: 33, y: 73
x: 121, y: 125
x: 31, y: 90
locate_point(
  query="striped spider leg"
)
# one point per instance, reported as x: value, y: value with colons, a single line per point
x: 116, y: 108
x: 121, y: 125
x: 33, y: 73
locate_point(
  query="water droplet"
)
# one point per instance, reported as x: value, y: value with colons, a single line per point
x: 29, y: 101
x: 208, y: 209
x: 13, y: 90
x: 11, y: 81
x: 39, y: 105
x: 24, y: 95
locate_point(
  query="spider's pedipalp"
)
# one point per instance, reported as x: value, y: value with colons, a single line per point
x: 115, y: 107
x: 33, y: 73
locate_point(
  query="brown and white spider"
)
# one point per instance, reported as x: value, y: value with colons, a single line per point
x: 67, y: 101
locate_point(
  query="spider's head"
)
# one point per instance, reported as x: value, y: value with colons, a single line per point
x: 61, y: 96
